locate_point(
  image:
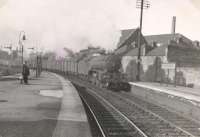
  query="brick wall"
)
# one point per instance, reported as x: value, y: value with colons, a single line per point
x: 129, y: 67
x: 191, y: 75
x: 183, y: 56
x: 188, y: 67
x: 150, y: 69
x: 188, y: 64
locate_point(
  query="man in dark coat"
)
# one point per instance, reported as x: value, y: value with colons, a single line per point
x: 25, y: 72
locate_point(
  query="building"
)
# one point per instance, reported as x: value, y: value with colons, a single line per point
x: 129, y: 40
x: 156, y: 50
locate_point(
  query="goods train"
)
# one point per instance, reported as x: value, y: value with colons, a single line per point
x: 112, y: 81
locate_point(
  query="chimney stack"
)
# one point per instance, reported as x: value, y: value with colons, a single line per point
x: 173, y: 31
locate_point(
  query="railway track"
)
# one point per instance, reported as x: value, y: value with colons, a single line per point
x: 168, y: 116
x: 110, y: 122
x: 153, y: 120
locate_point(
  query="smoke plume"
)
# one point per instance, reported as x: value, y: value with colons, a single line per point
x: 55, y: 24
x: 76, y: 24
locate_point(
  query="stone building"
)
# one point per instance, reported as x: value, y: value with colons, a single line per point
x: 159, y: 49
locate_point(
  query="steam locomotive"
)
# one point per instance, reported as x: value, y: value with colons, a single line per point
x: 112, y: 81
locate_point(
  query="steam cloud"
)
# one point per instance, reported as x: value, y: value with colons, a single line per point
x: 75, y: 24
x: 54, y: 24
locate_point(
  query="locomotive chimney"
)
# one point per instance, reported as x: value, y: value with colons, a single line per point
x: 173, y: 31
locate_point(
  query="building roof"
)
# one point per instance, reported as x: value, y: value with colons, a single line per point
x: 125, y: 34
x: 164, y: 39
x: 158, y: 51
x: 133, y: 52
x: 127, y: 39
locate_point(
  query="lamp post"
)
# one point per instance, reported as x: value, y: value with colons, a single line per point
x: 141, y: 4
x: 22, y: 37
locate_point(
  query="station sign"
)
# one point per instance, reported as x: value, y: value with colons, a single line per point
x: 168, y: 66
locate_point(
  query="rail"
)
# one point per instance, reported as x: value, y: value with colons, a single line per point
x: 110, y: 120
x: 164, y: 126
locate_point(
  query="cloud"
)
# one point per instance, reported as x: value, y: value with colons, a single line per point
x: 54, y: 24
x: 196, y: 3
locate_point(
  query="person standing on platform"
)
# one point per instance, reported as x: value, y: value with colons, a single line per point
x: 25, y: 72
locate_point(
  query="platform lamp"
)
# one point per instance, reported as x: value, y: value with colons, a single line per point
x: 141, y: 4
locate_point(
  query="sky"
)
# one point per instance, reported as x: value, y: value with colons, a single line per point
x: 76, y: 24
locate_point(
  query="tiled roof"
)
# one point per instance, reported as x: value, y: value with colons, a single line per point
x: 128, y: 37
x: 164, y: 39
x: 158, y: 51
x: 125, y: 34
x: 133, y: 52
x: 121, y: 50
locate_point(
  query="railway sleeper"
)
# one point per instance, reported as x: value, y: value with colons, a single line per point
x: 112, y: 125
x: 119, y: 130
x: 143, y: 112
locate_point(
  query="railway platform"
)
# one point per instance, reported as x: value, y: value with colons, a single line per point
x: 72, y: 119
x: 183, y: 100
x: 192, y: 94
x: 48, y: 106
x: 16, y: 76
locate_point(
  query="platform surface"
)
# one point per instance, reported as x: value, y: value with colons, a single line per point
x: 48, y: 107
x: 192, y: 94
x: 72, y: 119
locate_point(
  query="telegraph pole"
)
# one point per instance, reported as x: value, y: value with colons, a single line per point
x: 142, y: 4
